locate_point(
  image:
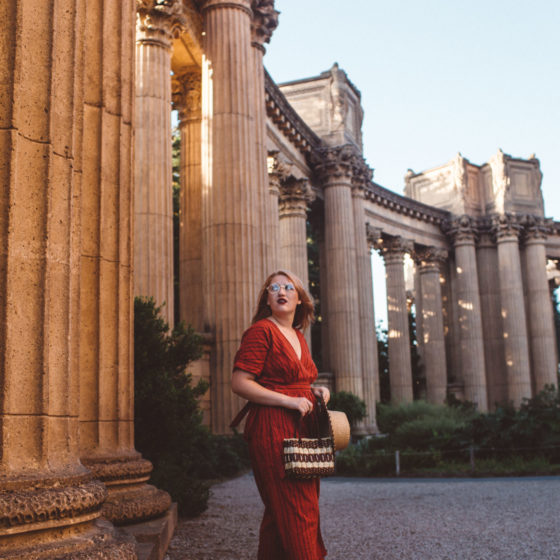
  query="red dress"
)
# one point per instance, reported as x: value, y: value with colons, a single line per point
x: 290, y: 527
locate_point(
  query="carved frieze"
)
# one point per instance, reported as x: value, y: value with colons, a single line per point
x: 159, y: 20
x: 186, y: 91
x: 264, y: 21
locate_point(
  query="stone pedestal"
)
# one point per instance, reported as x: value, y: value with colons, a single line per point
x: 231, y: 219
x: 370, y: 363
x: 50, y: 506
x: 542, y: 334
x: 153, y: 199
x: 400, y: 368
x: 516, y: 347
x: 106, y: 412
x: 431, y: 320
x: 187, y: 98
x: 469, y: 320
x: 345, y: 358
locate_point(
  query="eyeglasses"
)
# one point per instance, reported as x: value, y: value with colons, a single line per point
x: 275, y: 287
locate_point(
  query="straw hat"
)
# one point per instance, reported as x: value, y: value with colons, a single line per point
x: 340, y: 429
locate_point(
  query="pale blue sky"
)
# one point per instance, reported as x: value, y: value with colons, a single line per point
x: 437, y: 77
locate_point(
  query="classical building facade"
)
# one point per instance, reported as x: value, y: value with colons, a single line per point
x: 86, y: 97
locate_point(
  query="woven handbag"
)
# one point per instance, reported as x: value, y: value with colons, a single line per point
x: 311, y: 457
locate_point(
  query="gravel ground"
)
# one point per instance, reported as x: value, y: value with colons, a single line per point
x: 413, y: 519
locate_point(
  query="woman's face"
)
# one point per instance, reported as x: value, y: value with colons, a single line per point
x: 283, y: 297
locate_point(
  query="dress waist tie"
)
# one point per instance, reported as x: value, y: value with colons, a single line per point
x: 243, y: 412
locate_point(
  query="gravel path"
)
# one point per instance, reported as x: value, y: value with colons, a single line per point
x: 412, y: 519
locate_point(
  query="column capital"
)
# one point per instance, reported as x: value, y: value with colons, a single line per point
x: 361, y: 177
x: 461, y: 229
x: 429, y: 258
x: 393, y: 248
x: 295, y: 196
x: 505, y: 226
x: 374, y: 236
x: 337, y: 163
x: 263, y: 23
x: 278, y: 171
x: 158, y: 21
x: 535, y: 228
x: 186, y: 91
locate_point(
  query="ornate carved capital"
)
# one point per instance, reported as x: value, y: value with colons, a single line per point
x: 505, y: 226
x: 186, y: 91
x: 462, y: 229
x: 295, y: 196
x: 393, y: 248
x: 278, y: 170
x: 374, y: 236
x: 264, y: 21
x: 337, y: 163
x: 535, y: 228
x: 429, y: 258
x: 361, y: 176
x: 158, y: 21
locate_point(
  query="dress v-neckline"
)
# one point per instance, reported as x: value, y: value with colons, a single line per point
x: 298, y: 358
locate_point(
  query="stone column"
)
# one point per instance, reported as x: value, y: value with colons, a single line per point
x: 232, y: 223
x: 153, y: 193
x: 295, y: 195
x: 490, y: 305
x: 345, y: 356
x: 400, y: 368
x: 431, y: 319
x: 370, y: 363
x: 541, y: 320
x: 469, y: 321
x: 187, y: 98
x: 263, y: 23
x: 50, y: 504
x: 514, y: 321
x: 278, y: 171
x: 106, y: 292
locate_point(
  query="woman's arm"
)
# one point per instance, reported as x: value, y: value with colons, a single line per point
x: 243, y: 384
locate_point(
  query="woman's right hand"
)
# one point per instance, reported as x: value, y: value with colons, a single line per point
x: 301, y: 404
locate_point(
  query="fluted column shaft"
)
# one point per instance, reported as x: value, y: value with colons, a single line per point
x: 48, y: 499
x: 400, y: 367
x: 231, y: 220
x: 275, y: 175
x: 541, y: 321
x: 106, y: 312
x: 489, y: 289
x: 292, y: 242
x: 153, y: 200
x: 516, y: 346
x: 345, y: 358
x: 191, y: 299
x: 370, y: 362
x: 469, y: 320
x: 431, y: 320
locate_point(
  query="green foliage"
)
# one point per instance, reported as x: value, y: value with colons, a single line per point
x: 353, y: 406
x: 315, y: 292
x: 168, y: 420
x: 437, y: 439
x: 383, y: 357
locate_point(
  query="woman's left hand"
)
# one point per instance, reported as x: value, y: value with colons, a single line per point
x: 322, y: 392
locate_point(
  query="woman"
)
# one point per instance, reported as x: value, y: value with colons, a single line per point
x: 273, y: 370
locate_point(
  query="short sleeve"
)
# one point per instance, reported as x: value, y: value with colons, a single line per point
x: 253, y: 350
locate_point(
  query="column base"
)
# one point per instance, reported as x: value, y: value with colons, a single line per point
x: 130, y: 500
x: 58, y: 518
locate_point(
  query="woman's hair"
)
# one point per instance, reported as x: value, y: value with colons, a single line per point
x: 304, y: 312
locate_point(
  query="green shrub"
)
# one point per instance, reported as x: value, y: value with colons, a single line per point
x: 353, y: 406
x: 168, y: 420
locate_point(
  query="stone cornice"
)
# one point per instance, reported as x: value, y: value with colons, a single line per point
x: 264, y: 22
x: 286, y: 119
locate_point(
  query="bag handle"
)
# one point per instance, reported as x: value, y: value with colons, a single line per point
x: 322, y: 422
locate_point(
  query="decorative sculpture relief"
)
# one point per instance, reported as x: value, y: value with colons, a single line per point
x: 505, y: 225
x: 278, y: 170
x: 500, y: 180
x: 339, y: 105
x: 459, y: 174
x: 264, y: 22
x: 461, y: 229
x: 536, y: 227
